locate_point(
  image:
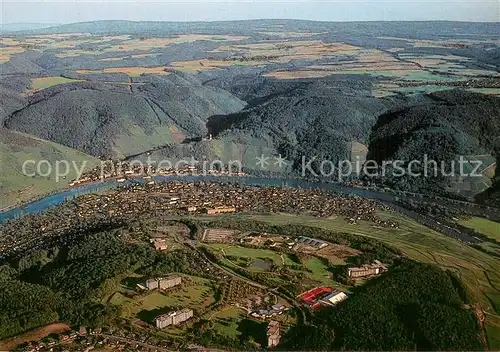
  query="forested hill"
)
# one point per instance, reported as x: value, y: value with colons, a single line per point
x: 448, y: 124
x: 116, y: 121
x: 310, y: 120
x: 399, y: 311
x: 435, y: 29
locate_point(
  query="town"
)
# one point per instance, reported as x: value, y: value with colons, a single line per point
x: 269, y: 277
x: 182, y: 199
x: 122, y: 170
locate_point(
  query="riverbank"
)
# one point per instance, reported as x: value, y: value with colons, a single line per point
x: 387, y: 198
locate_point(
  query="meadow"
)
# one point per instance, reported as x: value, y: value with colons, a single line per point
x: 46, y: 82
x: 486, y: 227
x: 226, y: 321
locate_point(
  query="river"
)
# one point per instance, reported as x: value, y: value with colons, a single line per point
x: 45, y: 203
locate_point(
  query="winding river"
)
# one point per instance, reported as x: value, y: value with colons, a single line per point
x: 43, y: 204
x: 388, y: 198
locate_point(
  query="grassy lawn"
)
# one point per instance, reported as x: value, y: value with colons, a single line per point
x: 477, y: 270
x: 252, y: 253
x: 314, y: 269
x: 318, y: 268
x: 486, y: 227
x: 226, y: 321
x: 194, y: 294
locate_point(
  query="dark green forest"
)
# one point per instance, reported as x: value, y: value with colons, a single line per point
x: 67, y: 284
x: 412, y: 307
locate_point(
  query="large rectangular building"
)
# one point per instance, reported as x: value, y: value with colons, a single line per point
x: 181, y: 316
x: 173, y: 318
x: 163, y: 321
x: 151, y: 284
x: 273, y: 333
x: 312, y: 242
x: 334, y: 298
x: 169, y: 281
x: 367, y: 270
x: 221, y: 210
x: 163, y: 283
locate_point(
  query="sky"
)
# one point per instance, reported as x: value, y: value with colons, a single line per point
x: 69, y: 11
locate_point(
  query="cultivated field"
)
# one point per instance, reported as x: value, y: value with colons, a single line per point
x: 411, y: 60
x: 131, y: 71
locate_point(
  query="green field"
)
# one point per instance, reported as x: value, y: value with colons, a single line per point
x: 226, y: 321
x: 492, y: 91
x: 426, y: 76
x: 479, y: 271
x: 486, y: 227
x: 195, y: 293
x: 251, y: 253
x: 423, y: 89
x: 17, y: 148
x: 136, y: 138
x: 314, y: 270
x: 318, y: 269
x: 46, y: 82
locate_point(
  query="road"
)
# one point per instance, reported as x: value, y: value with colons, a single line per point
x: 142, y: 344
x: 194, y: 245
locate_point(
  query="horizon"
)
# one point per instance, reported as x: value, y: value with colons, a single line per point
x: 66, y: 12
x: 236, y: 20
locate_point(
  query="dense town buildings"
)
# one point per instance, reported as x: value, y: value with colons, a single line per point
x: 173, y: 198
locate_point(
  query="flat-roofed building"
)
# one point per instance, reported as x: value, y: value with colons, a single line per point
x: 163, y: 320
x: 221, y: 210
x: 334, y: 298
x: 182, y: 315
x: 173, y: 318
x: 162, y: 282
x: 169, y: 281
x: 312, y: 242
x: 367, y: 270
x: 218, y: 235
x: 151, y: 284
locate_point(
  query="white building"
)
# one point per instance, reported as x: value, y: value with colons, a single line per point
x: 334, y: 298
